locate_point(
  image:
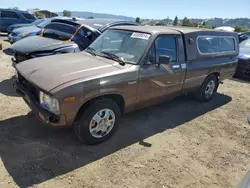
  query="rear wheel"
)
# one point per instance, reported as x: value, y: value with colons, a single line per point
x: 208, y: 88
x: 98, y: 122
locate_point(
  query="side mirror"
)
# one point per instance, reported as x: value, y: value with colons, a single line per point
x: 164, y: 59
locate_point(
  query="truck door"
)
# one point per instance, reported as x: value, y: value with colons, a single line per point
x: 8, y: 18
x: 159, y: 81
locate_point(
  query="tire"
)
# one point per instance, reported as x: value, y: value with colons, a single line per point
x: 202, y: 94
x: 82, y: 124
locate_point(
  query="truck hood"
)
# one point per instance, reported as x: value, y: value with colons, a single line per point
x: 52, y: 71
x: 36, y: 43
x: 15, y: 26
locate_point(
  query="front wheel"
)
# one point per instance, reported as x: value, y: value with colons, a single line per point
x: 98, y: 122
x: 208, y: 89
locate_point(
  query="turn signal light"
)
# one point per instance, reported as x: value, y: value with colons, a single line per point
x: 69, y: 99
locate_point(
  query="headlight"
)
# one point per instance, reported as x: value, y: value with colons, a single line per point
x: 23, y: 34
x: 49, y: 103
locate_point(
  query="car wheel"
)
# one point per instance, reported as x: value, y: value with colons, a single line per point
x: 98, y: 122
x: 207, y: 89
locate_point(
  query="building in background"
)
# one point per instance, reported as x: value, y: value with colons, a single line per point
x: 42, y: 13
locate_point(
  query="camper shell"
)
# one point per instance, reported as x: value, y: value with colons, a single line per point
x: 187, y: 42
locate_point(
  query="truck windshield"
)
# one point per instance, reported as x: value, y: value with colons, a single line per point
x: 129, y: 46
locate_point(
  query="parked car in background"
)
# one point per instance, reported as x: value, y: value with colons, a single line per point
x: 62, y: 36
x: 243, y: 67
x: 20, y: 33
x: 15, y: 26
x: 9, y: 17
x: 124, y: 69
x: 244, y: 36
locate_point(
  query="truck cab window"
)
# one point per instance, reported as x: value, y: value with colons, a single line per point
x: 166, y: 45
x: 9, y: 14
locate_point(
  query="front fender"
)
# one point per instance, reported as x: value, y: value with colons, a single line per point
x: 99, y: 93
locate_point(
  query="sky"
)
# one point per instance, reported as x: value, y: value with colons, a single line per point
x: 155, y: 9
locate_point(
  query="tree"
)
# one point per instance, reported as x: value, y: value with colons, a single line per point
x: 165, y: 21
x: 176, y: 21
x: 205, y: 26
x: 66, y: 13
x: 38, y: 14
x: 138, y: 20
x: 193, y: 24
x: 186, y: 22
x: 14, y: 8
x: 189, y: 23
x: 159, y: 23
x: 240, y: 29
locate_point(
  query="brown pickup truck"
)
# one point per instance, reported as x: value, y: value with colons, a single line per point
x: 126, y: 68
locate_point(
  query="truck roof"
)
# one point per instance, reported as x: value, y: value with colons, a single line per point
x: 167, y: 29
x: 13, y: 10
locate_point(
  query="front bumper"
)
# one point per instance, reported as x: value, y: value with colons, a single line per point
x: 42, y: 114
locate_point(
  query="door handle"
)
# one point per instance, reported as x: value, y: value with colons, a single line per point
x: 174, y: 67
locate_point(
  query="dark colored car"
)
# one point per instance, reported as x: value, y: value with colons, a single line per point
x: 124, y: 69
x: 243, y: 67
x: 62, y: 36
x: 15, y: 26
x: 244, y: 36
x: 20, y: 33
x: 9, y: 17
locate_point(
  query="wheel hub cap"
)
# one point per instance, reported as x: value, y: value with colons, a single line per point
x: 210, y: 89
x: 102, y: 123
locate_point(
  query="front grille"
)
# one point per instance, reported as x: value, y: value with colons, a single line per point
x: 21, y: 57
x: 29, y: 86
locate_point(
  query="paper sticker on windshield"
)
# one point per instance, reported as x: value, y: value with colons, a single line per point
x: 140, y: 36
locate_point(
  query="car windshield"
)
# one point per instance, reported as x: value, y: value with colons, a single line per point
x: 245, y: 44
x: 127, y: 46
x: 60, y: 31
x: 44, y: 23
x: 38, y: 21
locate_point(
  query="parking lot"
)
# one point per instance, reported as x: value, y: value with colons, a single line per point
x: 179, y: 143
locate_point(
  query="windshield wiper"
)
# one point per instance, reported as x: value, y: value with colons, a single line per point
x: 90, y: 50
x: 113, y: 57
